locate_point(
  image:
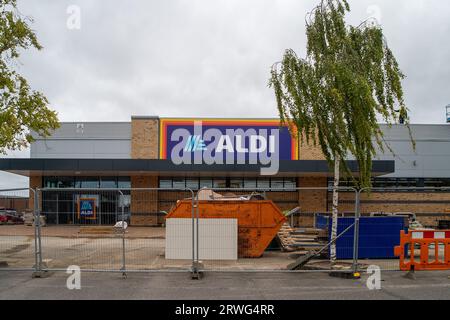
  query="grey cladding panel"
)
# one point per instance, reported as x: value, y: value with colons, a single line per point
x: 91, y: 140
x: 431, y: 157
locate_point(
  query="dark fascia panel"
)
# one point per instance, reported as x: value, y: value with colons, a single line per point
x: 140, y: 165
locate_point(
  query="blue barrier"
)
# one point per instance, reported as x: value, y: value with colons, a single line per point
x: 377, y: 237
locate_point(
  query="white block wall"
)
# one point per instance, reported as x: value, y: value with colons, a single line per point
x: 218, y: 239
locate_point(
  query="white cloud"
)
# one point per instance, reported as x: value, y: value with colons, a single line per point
x: 210, y: 58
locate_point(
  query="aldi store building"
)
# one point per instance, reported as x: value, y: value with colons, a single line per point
x: 173, y: 154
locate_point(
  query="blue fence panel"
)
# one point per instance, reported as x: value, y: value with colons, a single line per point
x: 377, y: 237
x: 322, y: 221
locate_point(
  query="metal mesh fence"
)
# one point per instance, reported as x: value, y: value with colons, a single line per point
x: 271, y: 230
x: 409, y: 208
x: 78, y: 228
x: 17, y: 238
x: 145, y: 246
x: 213, y: 230
x: 84, y: 227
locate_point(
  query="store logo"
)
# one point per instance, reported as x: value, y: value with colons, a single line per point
x: 195, y: 143
x: 234, y: 146
x: 87, y: 208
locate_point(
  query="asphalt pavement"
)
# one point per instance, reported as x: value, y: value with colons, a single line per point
x: 236, y: 286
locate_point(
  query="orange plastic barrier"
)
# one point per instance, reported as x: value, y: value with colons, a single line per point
x: 258, y: 221
x: 438, y: 240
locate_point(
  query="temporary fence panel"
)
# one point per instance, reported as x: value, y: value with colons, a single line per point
x: 420, y: 207
x: 377, y: 237
x: 286, y: 243
x: 17, y: 234
x: 86, y: 227
x: 80, y: 228
x: 145, y: 245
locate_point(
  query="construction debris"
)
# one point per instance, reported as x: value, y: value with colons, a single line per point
x: 206, y: 194
x: 121, y: 225
x: 305, y: 240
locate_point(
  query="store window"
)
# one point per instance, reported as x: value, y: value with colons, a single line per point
x: 277, y: 184
x: 274, y: 184
x: 290, y: 184
x: 250, y: 183
x: 123, y: 182
x: 206, y: 183
x: 165, y: 183
x: 192, y: 183
x: 237, y: 183
x: 107, y: 182
x: 382, y: 184
x: 59, y: 182
x: 219, y: 183
x: 87, y: 182
x: 179, y: 183
x: 263, y: 183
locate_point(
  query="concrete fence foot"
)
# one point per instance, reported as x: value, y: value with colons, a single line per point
x: 196, y: 275
x: 411, y: 275
x: 41, y: 274
x: 345, y: 275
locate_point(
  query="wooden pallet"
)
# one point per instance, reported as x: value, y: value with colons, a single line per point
x: 304, y: 240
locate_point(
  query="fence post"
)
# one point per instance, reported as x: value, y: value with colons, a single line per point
x: 36, y: 249
x: 356, y: 231
x: 197, y: 236
x: 37, y: 236
x: 195, y: 226
x: 124, y: 266
x: 194, y: 203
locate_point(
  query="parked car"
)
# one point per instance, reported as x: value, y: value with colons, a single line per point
x: 10, y: 217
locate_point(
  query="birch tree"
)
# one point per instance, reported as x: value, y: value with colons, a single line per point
x: 336, y: 96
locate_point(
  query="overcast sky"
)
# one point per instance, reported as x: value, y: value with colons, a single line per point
x: 209, y: 57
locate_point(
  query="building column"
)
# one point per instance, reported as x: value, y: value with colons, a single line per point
x: 144, y: 137
x: 144, y: 203
x: 144, y: 145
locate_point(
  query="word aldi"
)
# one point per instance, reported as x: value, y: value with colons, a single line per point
x: 229, y: 142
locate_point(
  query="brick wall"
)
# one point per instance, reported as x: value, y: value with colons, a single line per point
x: 144, y: 145
x: 17, y: 203
x: 309, y: 151
x: 144, y: 138
x: 312, y: 200
x: 144, y: 203
x: 429, y: 207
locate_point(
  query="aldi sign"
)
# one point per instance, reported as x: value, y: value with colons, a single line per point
x: 87, y: 208
x: 227, y: 141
